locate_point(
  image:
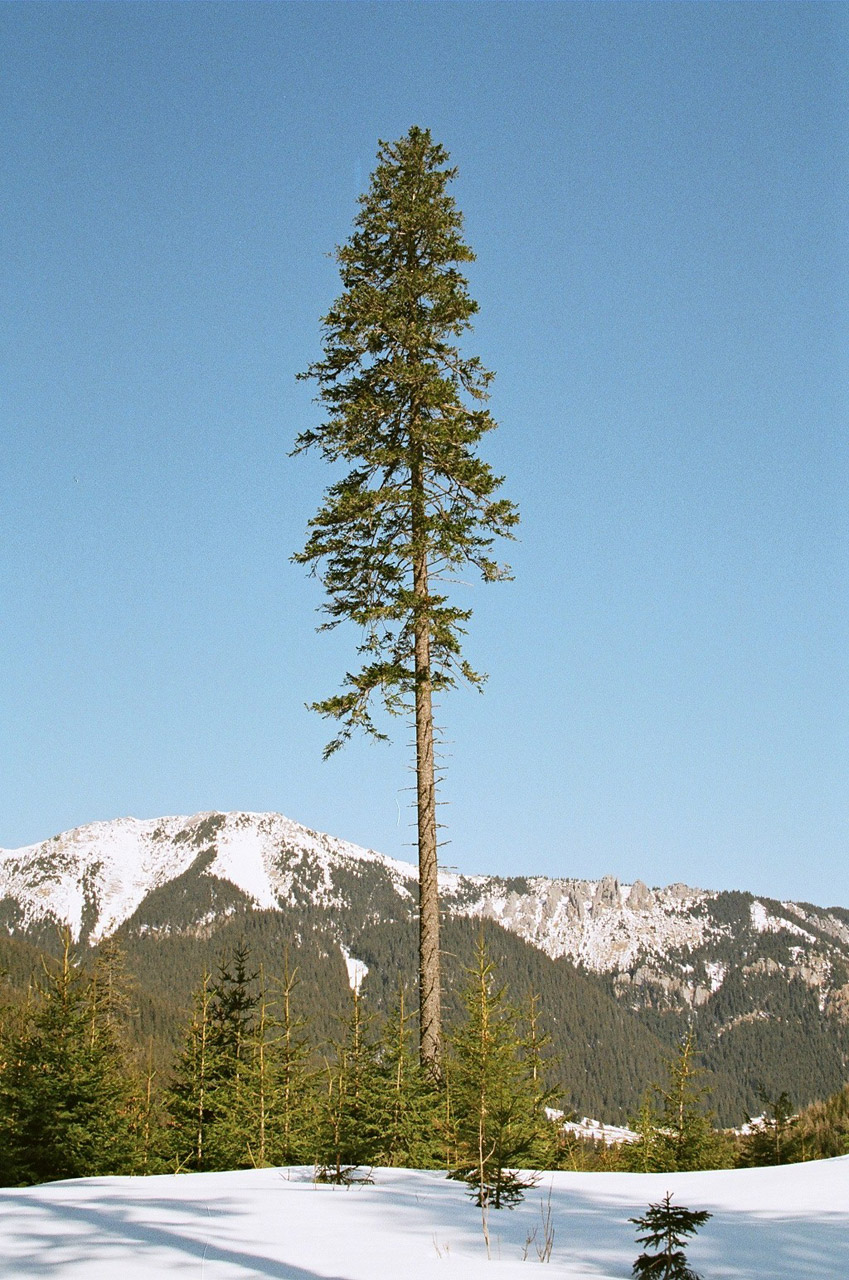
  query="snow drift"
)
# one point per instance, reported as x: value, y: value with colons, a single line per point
x: 788, y: 1223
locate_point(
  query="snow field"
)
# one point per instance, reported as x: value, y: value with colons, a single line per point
x: 789, y: 1223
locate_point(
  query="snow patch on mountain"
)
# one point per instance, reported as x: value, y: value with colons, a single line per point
x: 716, y: 971
x: 103, y: 870
x: 763, y: 922
x: 243, y: 858
x: 357, y: 970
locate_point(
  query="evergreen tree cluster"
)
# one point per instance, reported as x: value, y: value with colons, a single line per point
x: 781, y: 1136
x: 675, y: 1127
x: 251, y: 1085
x: 67, y: 1106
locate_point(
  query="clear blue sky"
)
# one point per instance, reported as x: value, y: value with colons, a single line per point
x: 657, y: 195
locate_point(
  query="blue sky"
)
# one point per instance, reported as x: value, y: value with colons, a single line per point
x: 656, y: 194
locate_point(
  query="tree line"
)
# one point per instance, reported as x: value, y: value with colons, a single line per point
x: 252, y: 1085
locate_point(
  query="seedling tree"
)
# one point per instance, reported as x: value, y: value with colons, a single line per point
x: 405, y: 410
x: 665, y: 1227
x: 295, y: 1075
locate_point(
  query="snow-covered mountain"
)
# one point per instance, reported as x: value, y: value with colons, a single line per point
x: 95, y: 877
x: 670, y: 944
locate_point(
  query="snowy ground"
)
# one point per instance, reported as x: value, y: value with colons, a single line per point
x: 790, y: 1223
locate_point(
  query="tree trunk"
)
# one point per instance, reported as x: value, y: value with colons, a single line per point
x: 430, y: 1013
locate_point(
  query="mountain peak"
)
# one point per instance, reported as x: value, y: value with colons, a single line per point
x: 94, y: 877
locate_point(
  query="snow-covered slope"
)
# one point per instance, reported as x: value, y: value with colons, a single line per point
x: 94, y: 877
x: 788, y: 1223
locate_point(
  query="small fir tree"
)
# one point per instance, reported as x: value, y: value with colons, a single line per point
x: 348, y: 1122
x: 536, y: 1049
x: 686, y: 1138
x: 498, y: 1097
x: 212, y: 1100
x: 649, y: 1153
x: 665, y: 1228
x: 147, y: 1119
x: 258, y: 1082
x: 294, y: 1077
x: 188, y: 1100
x: 409, y: 1101
x: 235, y: 998
x: 771, y: 1138
x: 112, y: 988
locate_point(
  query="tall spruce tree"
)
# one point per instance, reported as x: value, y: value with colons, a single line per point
x: 405, y: 412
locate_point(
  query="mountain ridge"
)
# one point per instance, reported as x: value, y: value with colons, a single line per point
x: 94, y: 877
x: 623, y: 970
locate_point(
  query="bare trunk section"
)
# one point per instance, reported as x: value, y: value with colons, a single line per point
x: 430, y: 1011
